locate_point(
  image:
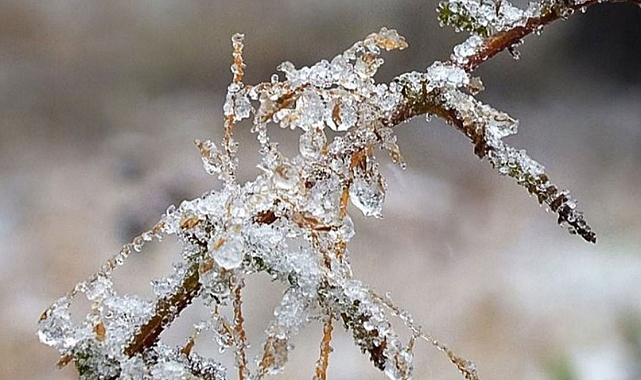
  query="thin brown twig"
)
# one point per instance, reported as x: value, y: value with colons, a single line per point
x: 239, y: 330
x: 325, y: 349
x: 504, y: 40
x: 166, y: 310
x: 230, y: 120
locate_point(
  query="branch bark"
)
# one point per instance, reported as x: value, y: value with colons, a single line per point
x: 503, y: 40
x: 169, y: 308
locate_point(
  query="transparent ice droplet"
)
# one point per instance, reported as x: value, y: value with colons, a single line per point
x: 446, y: 75
x: 501, y: 124
x: 210, y: 155
x: 347, y: 229
x: 287, y: 68
x: 310, y: 109
x: 55, y: 327
x: 342, y: 116
x: 368, y: 195
x: 468, y: 48
x: 285, y: 177
x: 169, y: 370
x: 237, y: 38
x: 389, y: 100
x: 99, y: 288
x: 235, y: 69
x: 137, y: 243
x: 320, y: 74
x: 514, y: 52
x: 312, y: 143
x: 243, y: 107
x: 511, y: 16
x: 231, y: 253
x: 389, y: 39
x: 164, y: 286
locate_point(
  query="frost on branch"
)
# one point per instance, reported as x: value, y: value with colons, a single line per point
x: 487, y: 126
x: 291, y: 222
x: 484, y: 17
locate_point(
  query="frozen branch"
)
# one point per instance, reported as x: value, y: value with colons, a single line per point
x: 292, y: 222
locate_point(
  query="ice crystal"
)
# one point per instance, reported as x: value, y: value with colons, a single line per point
x: 367, y: 192
x: 442, y: 75
x: 467, y: 49
x: 292, y: 222
x: 481, y: 17
x: 229, y: 254
x: 55, y: 327
x: 167, y: 285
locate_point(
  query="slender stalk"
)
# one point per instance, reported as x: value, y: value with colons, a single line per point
x: 239, y: 330
x: 166, y: 311
x: 325, y: 350
x: 504, y: 40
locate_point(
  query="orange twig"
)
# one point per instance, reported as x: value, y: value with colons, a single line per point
x: 241, y: 336
x: 325, y: 350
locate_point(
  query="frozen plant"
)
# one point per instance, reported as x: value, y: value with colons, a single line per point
x: 292, y: 221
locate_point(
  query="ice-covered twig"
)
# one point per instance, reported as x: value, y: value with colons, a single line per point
x: 485, y: 127
x: 292, y: 222
x: 502, y: 26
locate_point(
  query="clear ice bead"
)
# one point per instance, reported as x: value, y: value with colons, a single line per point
x: 285, y: 176
x: 230, y: 255
x: 368, y: 195
x: 56, y: 328
x: 170, y: 370
x: 99, y: 288
x: 311, y: 143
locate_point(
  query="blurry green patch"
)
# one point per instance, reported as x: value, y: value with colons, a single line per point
x: 559, y: 367
x: 630, y: 327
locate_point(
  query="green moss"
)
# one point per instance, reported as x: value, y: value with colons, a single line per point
x: 461, y: 19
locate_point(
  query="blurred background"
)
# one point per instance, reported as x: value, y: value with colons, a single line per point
x: 100, y: 102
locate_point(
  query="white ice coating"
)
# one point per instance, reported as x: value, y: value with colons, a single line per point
x: 497, y: 15
x: 446, y: 76
x: 291, y: 222
x: 467, y: 49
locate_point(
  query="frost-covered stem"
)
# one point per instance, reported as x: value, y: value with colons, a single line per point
x: 466, y: 367
x: 325, y: 350
x: 239, y: 330
x: 485, y: 146
x: 228, y: 144
x: 292, y: 221
x: 505, y: 39
x: 166, y: 310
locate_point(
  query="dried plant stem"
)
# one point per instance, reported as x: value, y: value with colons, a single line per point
x: 464, y: 366
x: 420, y: 104
x: 166, y: 310
x: 240, y: 335
x: 325, y: 349
x: 261, y: 226
x: 504, y: 40
x: 238, y: 69
x: 539, y: 185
